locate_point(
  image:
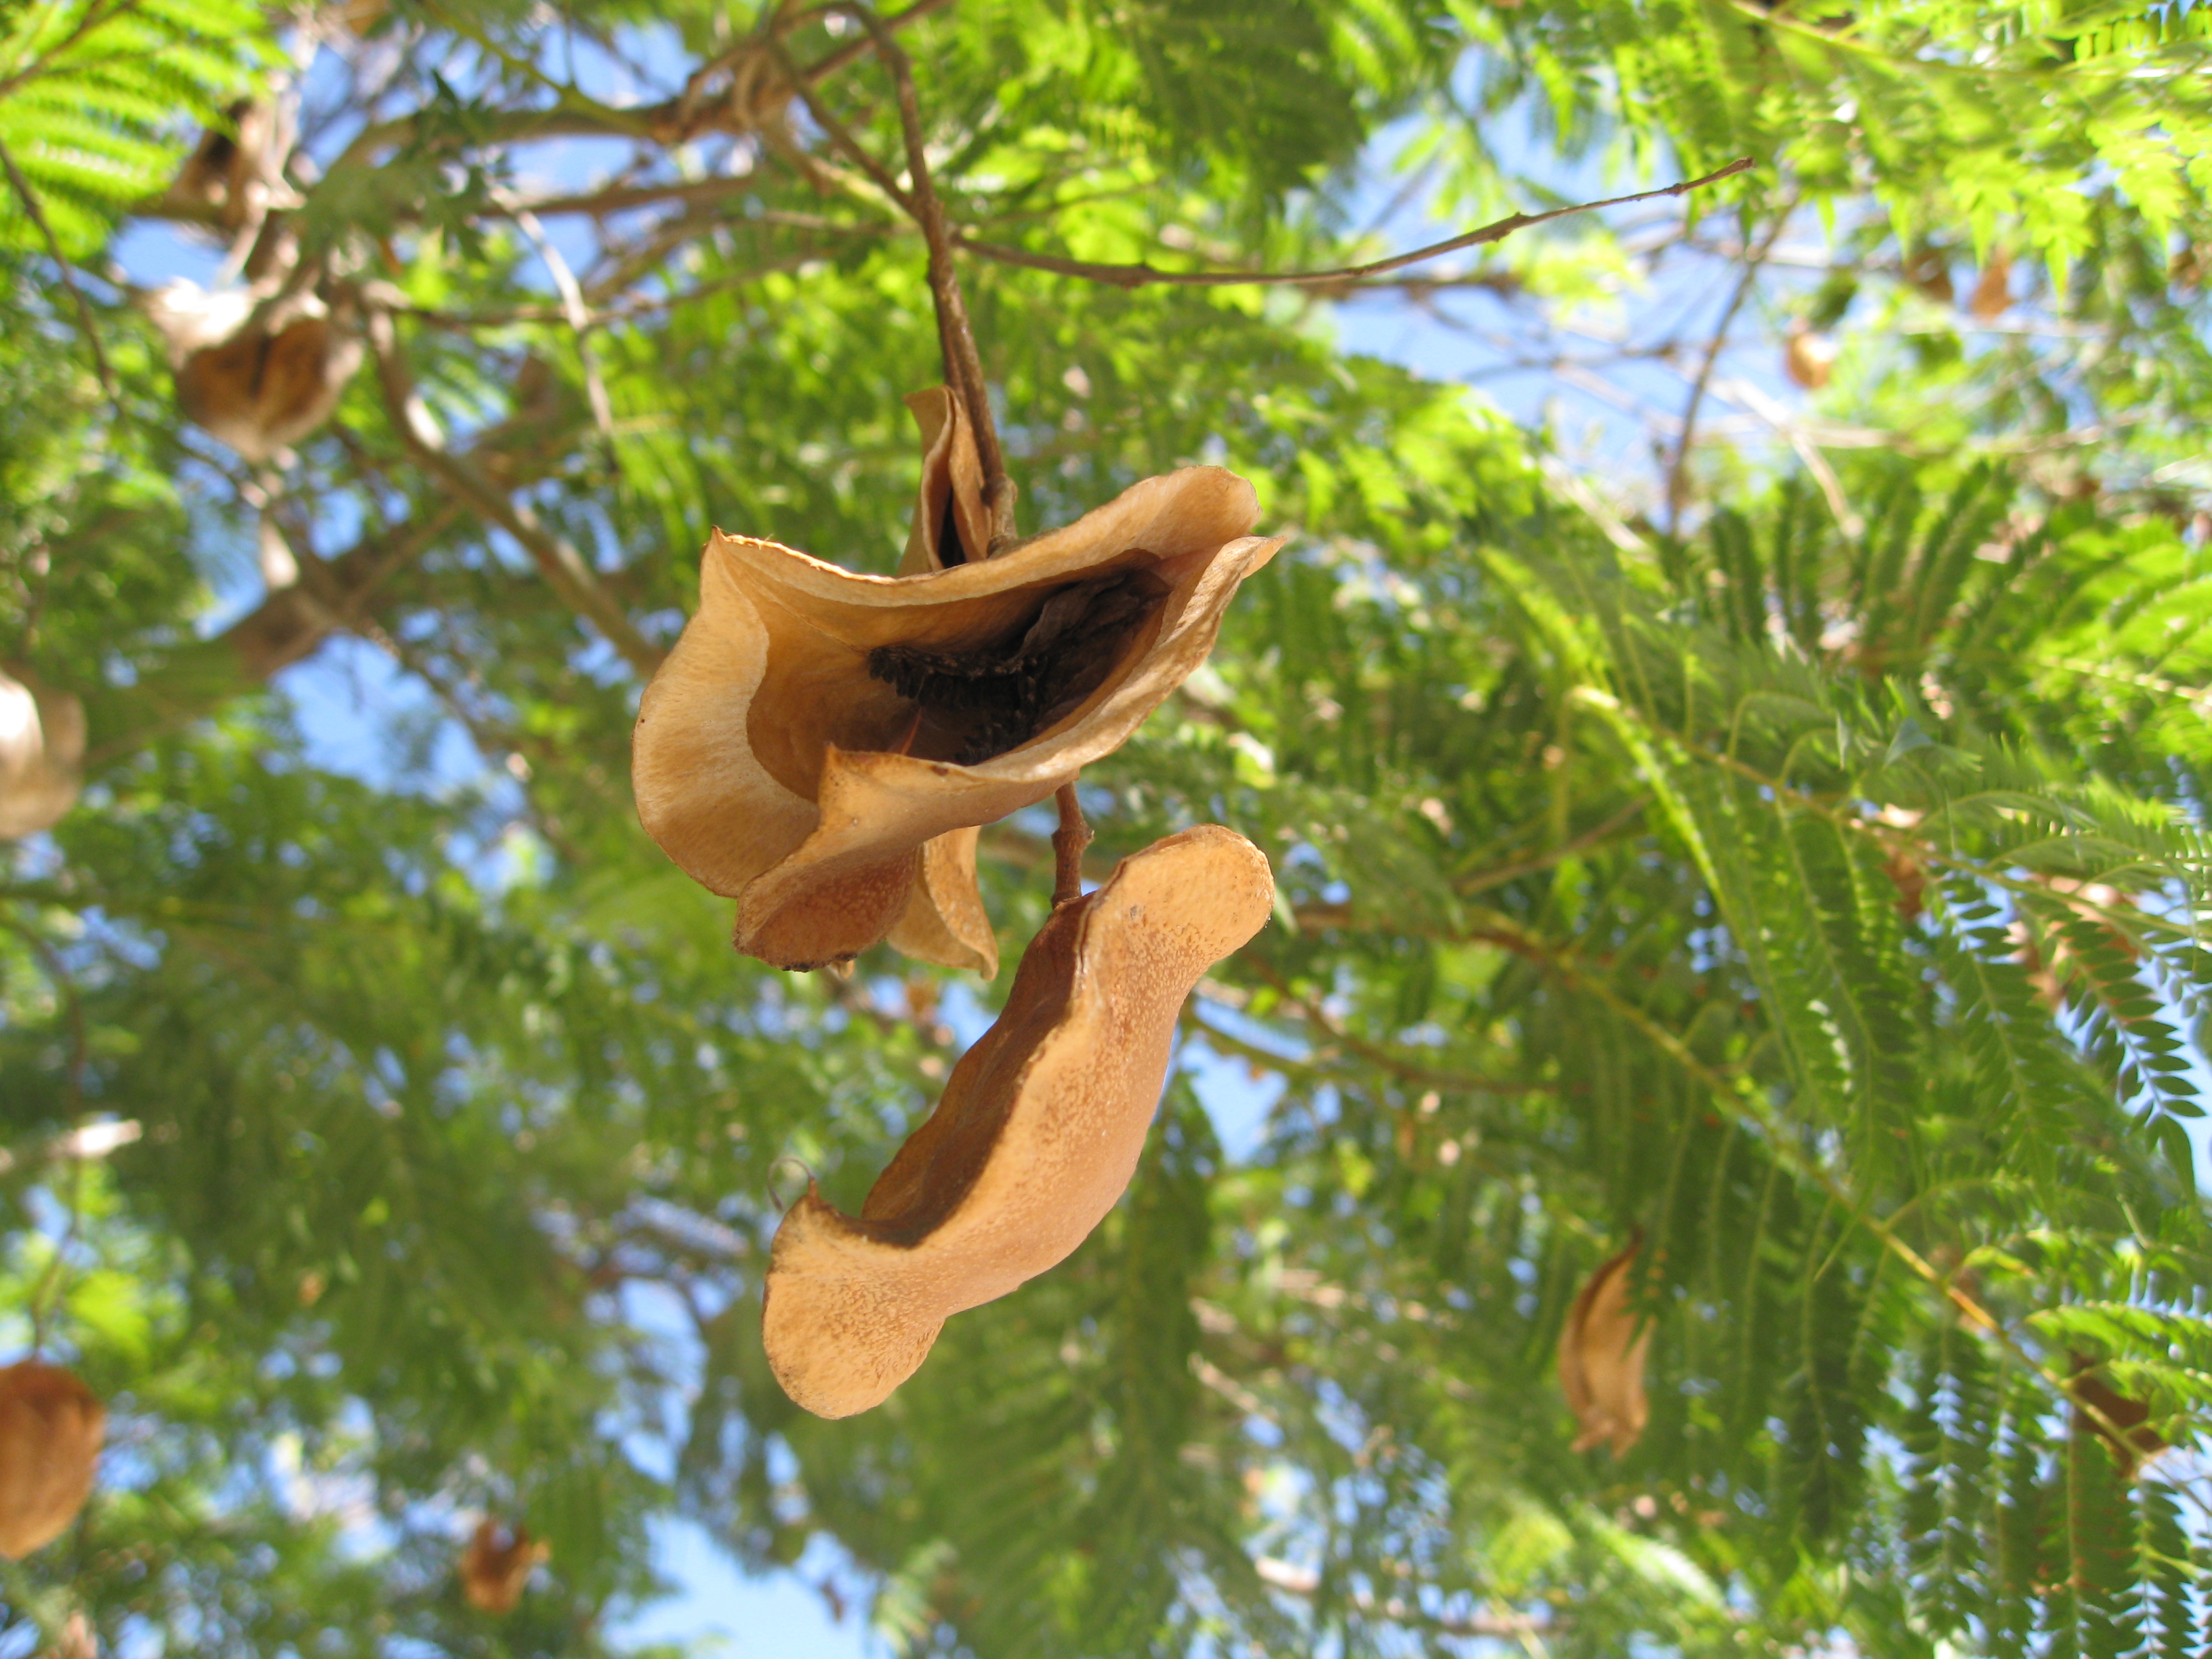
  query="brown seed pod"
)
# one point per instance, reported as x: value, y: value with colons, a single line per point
x: 41, y: 755
x: 1928, y: 269
x: 1808, y: 357
x: 1992, y: 294
x: 814, y: 730
x: 1034, y: 1138
x: 2101, y: 1409
x: 496, y: 1562
x: 1601, y: 1359
x: 228, y: 174
x: 259, y: 383
x: 50, y: 1426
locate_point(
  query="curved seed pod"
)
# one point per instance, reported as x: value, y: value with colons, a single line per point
x: 1808, y: 357
x: 41, y: 756
x: 259, y: 383
x: 2101, y: 1409
x: 814, y: 728
x: 50, y: 1427
x: 496, y: 1565
x: 1601, y: 1359
x: 1037, y: 1135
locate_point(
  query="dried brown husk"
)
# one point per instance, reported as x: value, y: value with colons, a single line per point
x: 1992, y: 294
x: 50, y: 1427
x: 496, y: 1564
x: 41, y: 754
x: 260, y: 380
x: 777, y: 759
x: 233, y: 175
x: 2121, y: 1423
x: 1035, y: 1137
x: 1601, y: 1359
x: 1808, y: 357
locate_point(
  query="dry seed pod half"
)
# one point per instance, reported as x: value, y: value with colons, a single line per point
x: 233, y: 174
x: 259, y: 383
x: 2101, y: 1409
x: 814, y: 731
x: 1808, y: 357
x: 496, y: 1562
x: 1034, y: 1138
x: 1992, y: 294
x: 50, y: 1427
x: 1601, y: 1359
x: 41, y: 755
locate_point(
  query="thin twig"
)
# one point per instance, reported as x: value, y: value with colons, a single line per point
x: 963, y: 365
x: 574, y: 309
x: 565, y: 569
x: 1068, y: 844
x: 30, y: 200
x: 1676, y: 470
x: 1144, y: 275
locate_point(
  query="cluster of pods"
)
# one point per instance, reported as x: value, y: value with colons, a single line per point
x: 825, y: 748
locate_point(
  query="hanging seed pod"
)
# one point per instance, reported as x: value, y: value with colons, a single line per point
x: 815, y: 730
x: 2121, y: 1423
x: 1928, y: 268
x: 1037, y: 1135
x: 1808, y: 357
x: 227, y: 175
x: 1992, y: 294
x: 496, y: 1562
x: 50, y: 1426
x: 41, y: 755
x: 1601, y: 1359
x: 259, y: 383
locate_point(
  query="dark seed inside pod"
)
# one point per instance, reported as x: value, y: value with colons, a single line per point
x: 998, y: 696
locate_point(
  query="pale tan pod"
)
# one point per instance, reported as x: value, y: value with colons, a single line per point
x: 496, y: 1564
x: 259, y: 383
x: 773, y: 767
x: 1035, y: 1137
x: 1601, y: 1359
x: 1992, y: 295
x: 41, y: 755
x: 50, y: 1427
x: 1808, y: 357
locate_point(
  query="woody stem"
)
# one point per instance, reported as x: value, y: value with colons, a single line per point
x: 1068, y: 844
x: 963, y: 366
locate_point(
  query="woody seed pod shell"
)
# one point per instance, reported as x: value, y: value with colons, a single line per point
x: 1601, y: 1359
x: 258, y: 384
x: 1037, y: 1133
x: 1808, y: 357
x: 814, y: 729
x: 50, y: 1427
x: 41, y: 756
x: 496, y: 1564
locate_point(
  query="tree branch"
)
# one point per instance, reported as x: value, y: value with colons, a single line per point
x: 565, y: 569
x: 1144, y: 275
x: 85, y: 325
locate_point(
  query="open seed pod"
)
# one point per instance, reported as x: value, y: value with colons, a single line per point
x: 813, y: 729
x: 50, y: 1426
x: 496, y: 1562
x: 1601, y: 1359
x: 260, y: 383
x: 233, y: 174
x: 1808, y: 357
x: 41, y: 755
x: 1034, y: 1138
x: 2102, y: 1410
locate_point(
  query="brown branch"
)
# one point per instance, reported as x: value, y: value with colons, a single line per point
x: 1068, y: 844
x: 1677, y: 468
x: 963, y: 365
x: 31, y: 205
x: 565, y: 569
x: 1144, y: 275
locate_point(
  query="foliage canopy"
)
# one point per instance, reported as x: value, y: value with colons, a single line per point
x: 1797, y: 855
